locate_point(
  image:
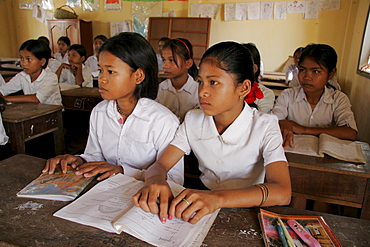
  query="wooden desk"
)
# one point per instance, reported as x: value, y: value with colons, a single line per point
x: 7, y: 75
x: 81, y: 99
x: 331, y: 180
x: 232, y: 227
x: 26, y: 121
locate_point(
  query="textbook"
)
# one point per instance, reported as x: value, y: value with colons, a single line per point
x: 109, y: 207
x: 325, y: 144
x: 314, y: 225
x: 56, y: 186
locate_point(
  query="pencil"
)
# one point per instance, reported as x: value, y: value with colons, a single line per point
x: 287, y: 235
x: 281, y: 234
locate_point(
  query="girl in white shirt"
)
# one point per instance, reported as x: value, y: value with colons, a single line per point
x: 38, y: 85
x: 128, y: 130
x: 92, y: 61
x: 239, y: 149
x: 179, y: 92
x: 63, y: 45
x: 292, y: 70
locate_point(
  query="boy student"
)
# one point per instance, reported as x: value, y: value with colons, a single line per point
x: 75, y: 73
x: 92, y: 61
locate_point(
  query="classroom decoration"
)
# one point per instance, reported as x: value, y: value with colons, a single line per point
x: 90, y: 5
x: 141, y: 11
x: 206, y: 10
x: 112, y: 5
x: 74, y: 3
x: 121, y: 26
x: 46, y: 4
x: 26, y: 4
x: 61, y: 13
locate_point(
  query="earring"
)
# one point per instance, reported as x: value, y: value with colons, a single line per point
x: 241, y: 97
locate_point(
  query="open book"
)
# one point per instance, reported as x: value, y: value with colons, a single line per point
x: 56, y: 186
x: 325, y: 144
x: 67, y: 86
x: 315, y: 225
x: 108, y: 206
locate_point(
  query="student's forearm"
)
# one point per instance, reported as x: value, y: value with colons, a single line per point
x: 155, y: 173
x: 59, y: 71
x: 22, y: 98
x: 79, y: 78
x: 342, y: 132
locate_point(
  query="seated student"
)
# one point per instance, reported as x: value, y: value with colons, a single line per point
x: 75, y: 72
x: 63, y: 45
x: 92, y: 61
x: 128, y: 130
x: 53, y: 64
x: 2, y: 81
x: 292, y: 70
x: 314, y: 108
x: 3, y: 137
x: 38, y: 85
x: 239, y: 149
x: 260, y: 96
x: 179, y: 92
x: 161, y: 43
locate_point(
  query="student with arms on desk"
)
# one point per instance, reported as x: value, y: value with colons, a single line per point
x: 239, y: 149
x: 314, y: 107
x: 128, y: 130
x: 38, y: 85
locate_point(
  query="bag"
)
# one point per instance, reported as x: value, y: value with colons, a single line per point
x: 61, y: 13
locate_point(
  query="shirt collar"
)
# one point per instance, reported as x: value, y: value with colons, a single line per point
x: 186, y: 88
x: 326, y: 97
x: 140, y: 111
x: 40, y: 78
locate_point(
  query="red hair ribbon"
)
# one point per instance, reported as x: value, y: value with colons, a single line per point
x: 186, y: 46
x: 254, y: 94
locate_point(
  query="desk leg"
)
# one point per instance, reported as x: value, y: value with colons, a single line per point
x: 59, y: 136
x: 365, y: 212
x: 16, y: 137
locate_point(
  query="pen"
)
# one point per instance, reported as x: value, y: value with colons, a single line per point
x: 281, y: 234
x: 287, y: 236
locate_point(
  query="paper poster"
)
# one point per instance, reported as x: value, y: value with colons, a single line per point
x: 48, y: 16
x: 266, y: 10
x: 74, y: 3
x: 241, y: 11
x: 90, y: 5
x: 329, y: 5
x: 38, y: 13
x: 195, y: 10
x: 229, y: 12
x: 45, y: 4
x: 311, y: 10
x: 112, y: 5
x: 254, y: 10
x: 296, y: 7
x: 141, y: 11
x: 118, y: 27
x: 280, y: 9
x: 209, y: 10
x: 25, y: 4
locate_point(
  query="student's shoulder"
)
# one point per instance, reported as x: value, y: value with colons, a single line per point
x: 155, y: 110
x: 194, y: 116
x: 102, y: 106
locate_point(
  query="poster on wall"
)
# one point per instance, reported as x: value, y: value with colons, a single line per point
x: 141, y: 11
x: 266, y: 10
x: 90, y: 5
x: 296, y: 7
x: 118, y: 27
x: 74, y: 3
x: 112, y: 5
x: 280, y: 9
x: 329, y: 5
x: 25, y: 4
x: 312, y: 10
x: 254, y: 10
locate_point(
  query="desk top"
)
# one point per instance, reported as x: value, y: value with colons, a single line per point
x: 19, y: 112
x: 82, y: 92
x: 333, y: 165
x: 26, y: 227
x: 7, y: 73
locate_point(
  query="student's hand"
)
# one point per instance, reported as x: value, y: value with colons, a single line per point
x: 147, y: 198
x: 75, y: 67
x: 286, y: 128
x: 65, y: 66
x: 297, y: 128
x: 63, y: 160
x: 191, y: 205
x: 90, y: 169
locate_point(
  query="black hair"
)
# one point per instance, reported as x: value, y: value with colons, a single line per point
x: 65, y: 39
x: 233, y: 58
x: 38, y: 48
x: 178, y: 47
x: 44, y: 38
x: 81, y: 50
x: 324, y: 55
x: 101, y: 37
x: 298, y: 50
x: 165, y: 39
x: 135, y: 50
x: 256, y: 58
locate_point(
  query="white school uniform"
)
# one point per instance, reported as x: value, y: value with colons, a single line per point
x: 267, y: 102
x: 291, y: 71
x: 45, y: 87
x: 92, y: 62
x: 181, y: 101
x: 160, y: 62
x: 237, y: 158
x: 2, y: 81
x: 333, y: 109
x: 3, y: 137
x: 58, y: 56
x: 137, y: 143
x: 67, y: 76
x: 53, y: 64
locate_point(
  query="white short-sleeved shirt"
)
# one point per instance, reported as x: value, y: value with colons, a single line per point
x: 45, y: 87
x: 2, y: 81
x: 333, y: 109
x: 53, y: 64
x: 67, y: 76
x: 137, y: 143
x: 92, y: 62
x: 58, y: 56
x: 3, y: 137
x: 291, y: 71
x: 237, y: 158
x: 267, y: 102
x: 160, y: 62
x: 181, y: 101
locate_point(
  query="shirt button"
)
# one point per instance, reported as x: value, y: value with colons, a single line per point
x: 311, y: 116
x: 218, y: 161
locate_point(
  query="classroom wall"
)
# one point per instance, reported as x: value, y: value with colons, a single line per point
x: 276, y: 39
